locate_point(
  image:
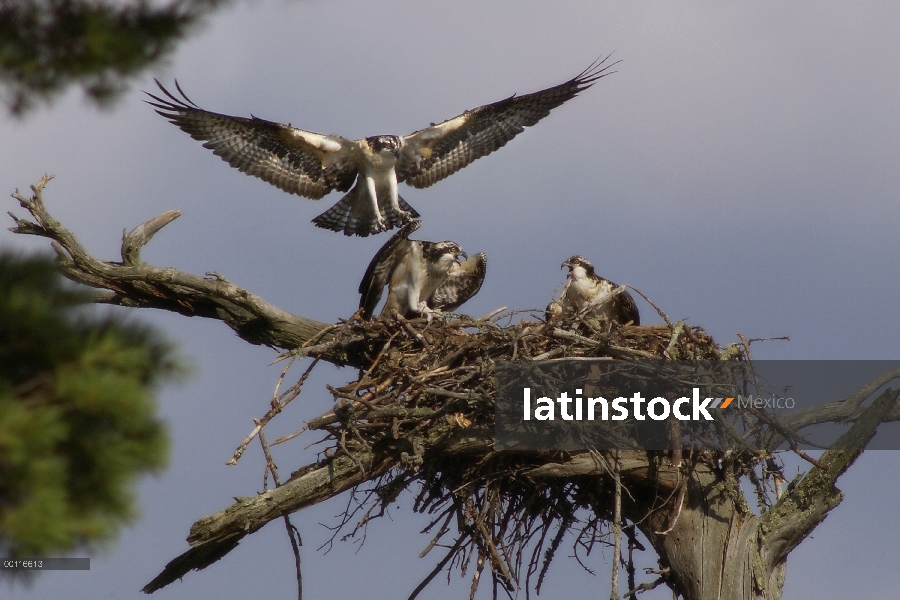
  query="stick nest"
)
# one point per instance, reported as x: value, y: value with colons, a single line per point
x: 426, y: 398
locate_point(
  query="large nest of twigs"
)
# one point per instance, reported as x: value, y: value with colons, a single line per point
x: 427, y: 395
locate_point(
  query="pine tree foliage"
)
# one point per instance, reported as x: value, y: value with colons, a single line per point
x: 78, y: 419
x: 48, y: 45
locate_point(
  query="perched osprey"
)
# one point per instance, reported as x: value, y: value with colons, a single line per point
x: 311, y: 165
x: 421, y: 276
x: 587, y: 291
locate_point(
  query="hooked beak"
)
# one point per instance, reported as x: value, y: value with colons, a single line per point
x: 566, y: 264
x: 463, y: 255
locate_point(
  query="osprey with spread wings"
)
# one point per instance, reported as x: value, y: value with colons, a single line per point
x: 312, y: 165
x: 421, y: 277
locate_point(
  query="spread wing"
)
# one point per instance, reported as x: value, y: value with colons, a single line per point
x: 382, y: 265
x: 431, y: 154
x: 462, y: 283
x: 296, y: 161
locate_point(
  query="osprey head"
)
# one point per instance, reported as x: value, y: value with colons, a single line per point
x: 384, y: 143
x: 445, y: 254
x: 578, y: 262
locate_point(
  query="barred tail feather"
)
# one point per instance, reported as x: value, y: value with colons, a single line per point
x: 355, y: 217
x: 395, y: 219
x: 340, y: 217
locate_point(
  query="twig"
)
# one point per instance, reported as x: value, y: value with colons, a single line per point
x: 551, y: 354
x: 375, y: 362
x: 614, y: 349
x: 783, y: 338
x: 645, y: 587
x: 143, y: 233
x: 476, y: 578
x: 438, y: 568
x: 409, y: 329
x: 568, y: 335
x: 491, y: 314
x: 616, y: 528
x: 445, y: 527
x: 292, y: 531
x: 271, y: 468
x: 296, y: 543
x: 676, y: 333
x: 577, y: 359
x: 673, y: 518
x: 746, y: 344
x: 276, y: 408
x: 650, y: 302
x: 633, y: 545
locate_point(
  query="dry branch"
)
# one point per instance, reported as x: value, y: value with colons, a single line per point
x: 798, y: 512
x: 132, y: 282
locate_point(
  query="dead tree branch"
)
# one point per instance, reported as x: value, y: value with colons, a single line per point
x: 807, y: 503
x: 842, y: 411
x: 134, y: 283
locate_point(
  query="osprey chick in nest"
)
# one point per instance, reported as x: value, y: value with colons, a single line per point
x: 421, y: 276
x: 311, y: 165
x: 588, y: 292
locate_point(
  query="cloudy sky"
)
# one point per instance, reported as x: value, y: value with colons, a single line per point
x: 741, y: 168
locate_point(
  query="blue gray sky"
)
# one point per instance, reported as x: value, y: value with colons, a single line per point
x: 742, y: 169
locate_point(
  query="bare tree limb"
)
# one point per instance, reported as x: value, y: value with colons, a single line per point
x: 841, y: 411
x: 214, y: 536
x: 194, y: 559
x: 634, y: 466
x: 217, y: 534
x: 805, y: 505
x: 133, y: 241
x: 132, y: 282
x: 317, y: 482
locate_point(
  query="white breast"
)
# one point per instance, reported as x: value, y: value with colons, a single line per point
x: 583, y: 291
x: 406, y: 283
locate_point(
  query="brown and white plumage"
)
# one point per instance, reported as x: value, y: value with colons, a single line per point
x: 463, y: 281
x: 421, y: 276
x: 312, y: 165
x: 588, y: 292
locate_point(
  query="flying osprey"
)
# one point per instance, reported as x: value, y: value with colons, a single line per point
x: 311, y: 165
x: 421, y: 276
x: 587, y: 291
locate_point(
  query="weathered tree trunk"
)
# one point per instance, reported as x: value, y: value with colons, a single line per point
x: 715, y: 547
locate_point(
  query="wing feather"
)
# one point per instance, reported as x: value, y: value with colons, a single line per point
x: 380, y: 268
x: 296, y: 161
x: 626, y: 309
x: 431, y: 154
x: 463, y: 282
